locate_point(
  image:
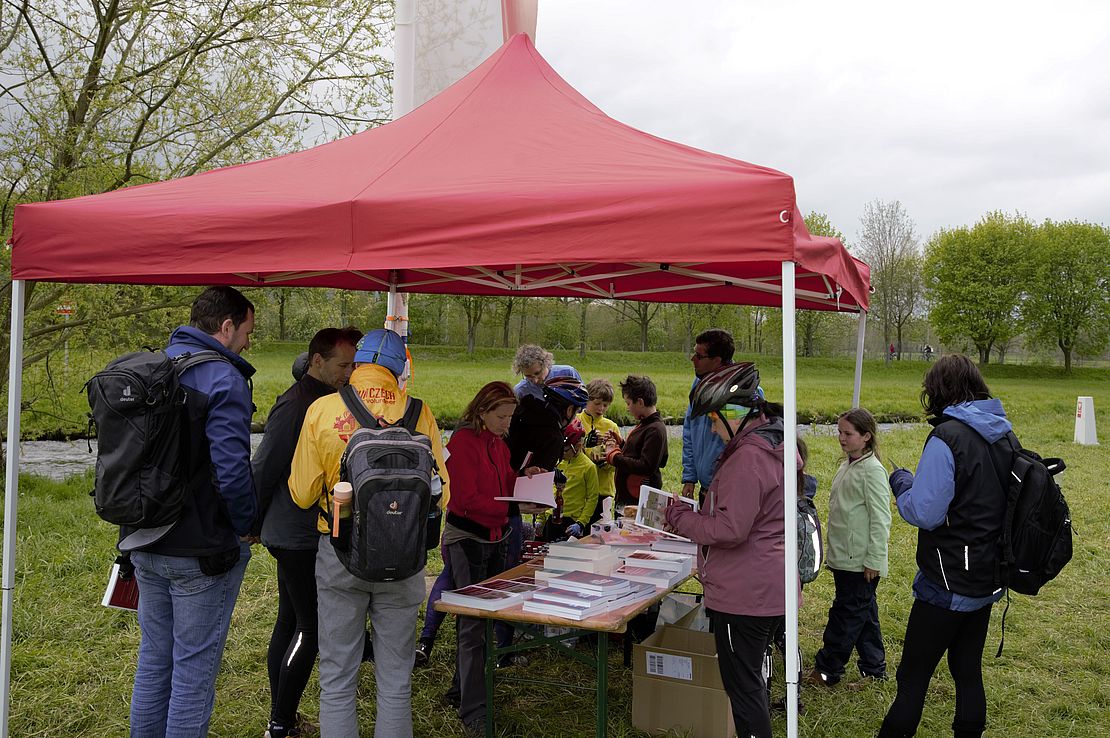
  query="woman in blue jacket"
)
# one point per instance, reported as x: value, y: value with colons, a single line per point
x: 958, y: 503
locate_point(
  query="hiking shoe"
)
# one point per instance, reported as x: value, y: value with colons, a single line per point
x: 450, y: 699
x: 307, y: 728
x: 274, y: 730
x: 475, y: 728
x: 865, y: 680
x: 423, y: 652
x: 819, y: 678
x: 779, y: 705
x: 511, y: 659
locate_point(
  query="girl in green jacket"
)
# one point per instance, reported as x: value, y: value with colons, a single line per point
x: 857, y: 534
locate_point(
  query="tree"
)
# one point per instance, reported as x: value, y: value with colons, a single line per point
x: 974, y: 278
x: 696, y: 317
x: 100, y: 94
x: 810, y: 323
x: 640, y: 313
x: 473, y: 306
x: 889, y: 245
x: 1068, y: 292
x: 506, y: 304
x: 583, y: 311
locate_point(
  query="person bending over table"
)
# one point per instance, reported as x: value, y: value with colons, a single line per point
x: 741, y: 536
x: 476, y: 534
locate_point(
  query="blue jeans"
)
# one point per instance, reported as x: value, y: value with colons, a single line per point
x: 183, y: 616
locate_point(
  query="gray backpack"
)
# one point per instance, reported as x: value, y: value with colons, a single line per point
x: 811, y: 548
x: 391, y: 470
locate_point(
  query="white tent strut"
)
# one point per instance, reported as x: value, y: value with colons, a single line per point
x: 861, y: 332
x: 790, y: 494
x: 11, y: 496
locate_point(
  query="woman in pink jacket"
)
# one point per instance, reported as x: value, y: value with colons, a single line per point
x: 741, y: 536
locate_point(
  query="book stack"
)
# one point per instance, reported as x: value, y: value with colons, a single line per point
x: 675, y: 563
x: 588, y: 557
x: 495, y: 594
x: 675, y: 545
x: 655, y: 577
x: 629, y: 535
x: 577, y: 595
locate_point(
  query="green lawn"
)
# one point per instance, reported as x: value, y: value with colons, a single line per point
x: 73, y: 660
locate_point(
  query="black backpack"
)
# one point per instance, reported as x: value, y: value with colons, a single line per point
x: 394, y: 513
x: 139, y: 415
x: 1036, y: 541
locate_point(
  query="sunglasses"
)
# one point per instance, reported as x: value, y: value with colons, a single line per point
x: 729, y: 412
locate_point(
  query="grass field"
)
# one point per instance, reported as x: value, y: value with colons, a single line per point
x: 73, y: 660
x: 446, y: 377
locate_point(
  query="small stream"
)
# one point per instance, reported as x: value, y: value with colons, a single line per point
x: 60, y: 459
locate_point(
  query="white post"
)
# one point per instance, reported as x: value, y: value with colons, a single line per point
x: 861, y: 332
x: 397, y: 313
x: 11, y: 496
x: 1085, y: 433
x: 404, y: 57
x: 790, y: 494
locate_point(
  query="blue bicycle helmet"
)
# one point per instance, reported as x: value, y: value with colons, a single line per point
x: 566, y: 391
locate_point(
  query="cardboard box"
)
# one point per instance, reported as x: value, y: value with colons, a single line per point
x: 676, y: 685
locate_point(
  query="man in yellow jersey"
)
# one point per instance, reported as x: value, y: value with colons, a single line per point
x: 344, y: 598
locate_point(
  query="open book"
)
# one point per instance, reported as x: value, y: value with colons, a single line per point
x: 539, y: 489
x: 652, y: 507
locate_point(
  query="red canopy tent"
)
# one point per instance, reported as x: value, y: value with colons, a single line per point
x: 508, y: 183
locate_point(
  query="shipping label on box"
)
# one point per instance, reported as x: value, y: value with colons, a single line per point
x: 669, y: 665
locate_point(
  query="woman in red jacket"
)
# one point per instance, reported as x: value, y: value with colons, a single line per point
x: 475, y: 536
x: 741, y: 536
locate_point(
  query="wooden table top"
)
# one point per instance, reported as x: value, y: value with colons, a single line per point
x: 613, y: 621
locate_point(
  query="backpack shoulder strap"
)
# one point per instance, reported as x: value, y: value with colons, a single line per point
x: 357, y: 407
x: 413, y: 407
x: 191, y: 359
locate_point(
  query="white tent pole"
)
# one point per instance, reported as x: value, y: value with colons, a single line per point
x: 397, y: 313
x: 790, y: 494
x: 11, y: 496
x: 404, y: 57
x: 861, y: 332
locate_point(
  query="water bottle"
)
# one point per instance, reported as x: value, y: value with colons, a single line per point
x: 341, y: 500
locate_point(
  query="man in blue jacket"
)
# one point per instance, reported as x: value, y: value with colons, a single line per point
x: 713, y: 349
x: 190, y: 577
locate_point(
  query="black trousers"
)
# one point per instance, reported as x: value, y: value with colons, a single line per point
x: 930, y: 632
x: 741, y: 648
x: 471, y: 562
x: 293, y: 644
x: 853, y: 624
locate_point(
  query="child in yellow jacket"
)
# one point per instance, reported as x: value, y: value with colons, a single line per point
x: 596, y: 425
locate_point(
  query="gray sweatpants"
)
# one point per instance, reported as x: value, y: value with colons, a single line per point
x: 343, y: 600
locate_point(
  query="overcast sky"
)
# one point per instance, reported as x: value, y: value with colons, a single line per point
x: 955, y: 109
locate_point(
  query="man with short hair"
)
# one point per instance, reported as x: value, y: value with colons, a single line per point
x: 713, y: 349
x: 342, y: 597
x: 290, y: 533
x: 536, y: 366
x: 190, y: 577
